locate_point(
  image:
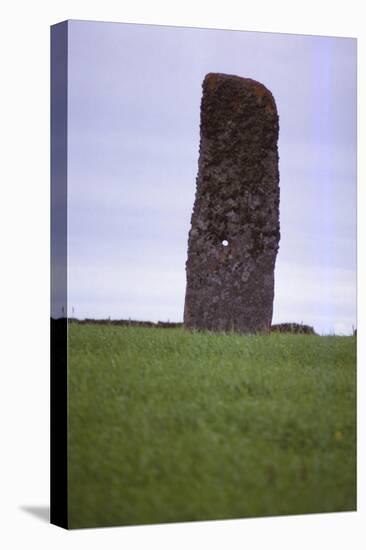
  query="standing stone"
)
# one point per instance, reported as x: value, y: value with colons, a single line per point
x: 234, y: 236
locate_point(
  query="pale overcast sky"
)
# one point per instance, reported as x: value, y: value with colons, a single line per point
x: 133, y: 137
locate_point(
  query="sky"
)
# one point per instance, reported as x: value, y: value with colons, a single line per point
x: 134, y: 95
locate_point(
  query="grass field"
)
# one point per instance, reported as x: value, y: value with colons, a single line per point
x: 167, y: 425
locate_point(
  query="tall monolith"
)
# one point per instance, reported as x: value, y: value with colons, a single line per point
x: 235, y: 230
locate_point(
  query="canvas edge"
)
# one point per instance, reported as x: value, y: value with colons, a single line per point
x: 58, y: 321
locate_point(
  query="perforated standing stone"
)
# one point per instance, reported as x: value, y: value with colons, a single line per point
x: 235, y: 232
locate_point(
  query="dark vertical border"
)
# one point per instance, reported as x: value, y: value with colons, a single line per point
x: 59, y: 508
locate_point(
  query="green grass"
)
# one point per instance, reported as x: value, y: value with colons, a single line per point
x: 167, y: 425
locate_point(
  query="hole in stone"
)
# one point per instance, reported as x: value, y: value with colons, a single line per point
x: 225, y: 242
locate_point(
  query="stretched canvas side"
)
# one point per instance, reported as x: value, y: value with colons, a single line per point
x: 59, y: 508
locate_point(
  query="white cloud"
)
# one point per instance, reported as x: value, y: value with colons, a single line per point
x: 319, y: 296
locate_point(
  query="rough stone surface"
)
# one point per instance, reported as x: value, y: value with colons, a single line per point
x: 231, y: 286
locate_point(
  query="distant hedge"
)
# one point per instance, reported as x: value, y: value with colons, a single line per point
x: 294, y: 328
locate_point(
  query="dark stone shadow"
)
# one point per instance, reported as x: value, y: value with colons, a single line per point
x: 41, y: 512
